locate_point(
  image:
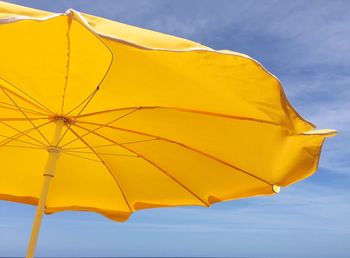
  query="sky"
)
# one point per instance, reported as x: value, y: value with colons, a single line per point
x: 306, y: 44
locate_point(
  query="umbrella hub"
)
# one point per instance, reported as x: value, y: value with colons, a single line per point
x: 65, y: 119
x: 54, y: 149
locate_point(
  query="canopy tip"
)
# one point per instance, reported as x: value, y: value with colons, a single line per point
x: 70, y: 11
x: 326, y: 132
x: 276, y: 188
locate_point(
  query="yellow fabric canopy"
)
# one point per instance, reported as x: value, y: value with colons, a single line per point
x: 149, y: 120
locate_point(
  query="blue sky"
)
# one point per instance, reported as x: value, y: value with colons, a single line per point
x: 306, y: 44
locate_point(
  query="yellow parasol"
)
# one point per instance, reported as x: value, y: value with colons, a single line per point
x: 134, y: 119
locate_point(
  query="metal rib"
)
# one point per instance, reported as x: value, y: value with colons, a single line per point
x: 153, y: 164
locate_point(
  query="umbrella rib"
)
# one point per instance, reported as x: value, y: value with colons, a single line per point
x: 133, y: 142
x: 18, y: 146
x: 31, y: 137
x: 69, y: 20
x: 109, y: 145
x: 107, y: 70
x: 110, y: 63
x: 184, y: 110
x: 72, y: 122
x: 153, y: 164
x: 86, y: 147
x: 30, y: 121
x: 12, y: 138
x: 87, y: 98
x: 186, y: 147
x: 107, y: 167
x: 13, y: 107
x: 20, y: 134
x: 41, y: 106
x: 99, y: 153
x: 21, y: 118
x: 100, y: 126
x: 79, y: 156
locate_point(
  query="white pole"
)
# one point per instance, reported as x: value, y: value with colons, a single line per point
x: 54, y: 153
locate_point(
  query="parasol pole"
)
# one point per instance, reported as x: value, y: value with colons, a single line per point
x: 54, y: 153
